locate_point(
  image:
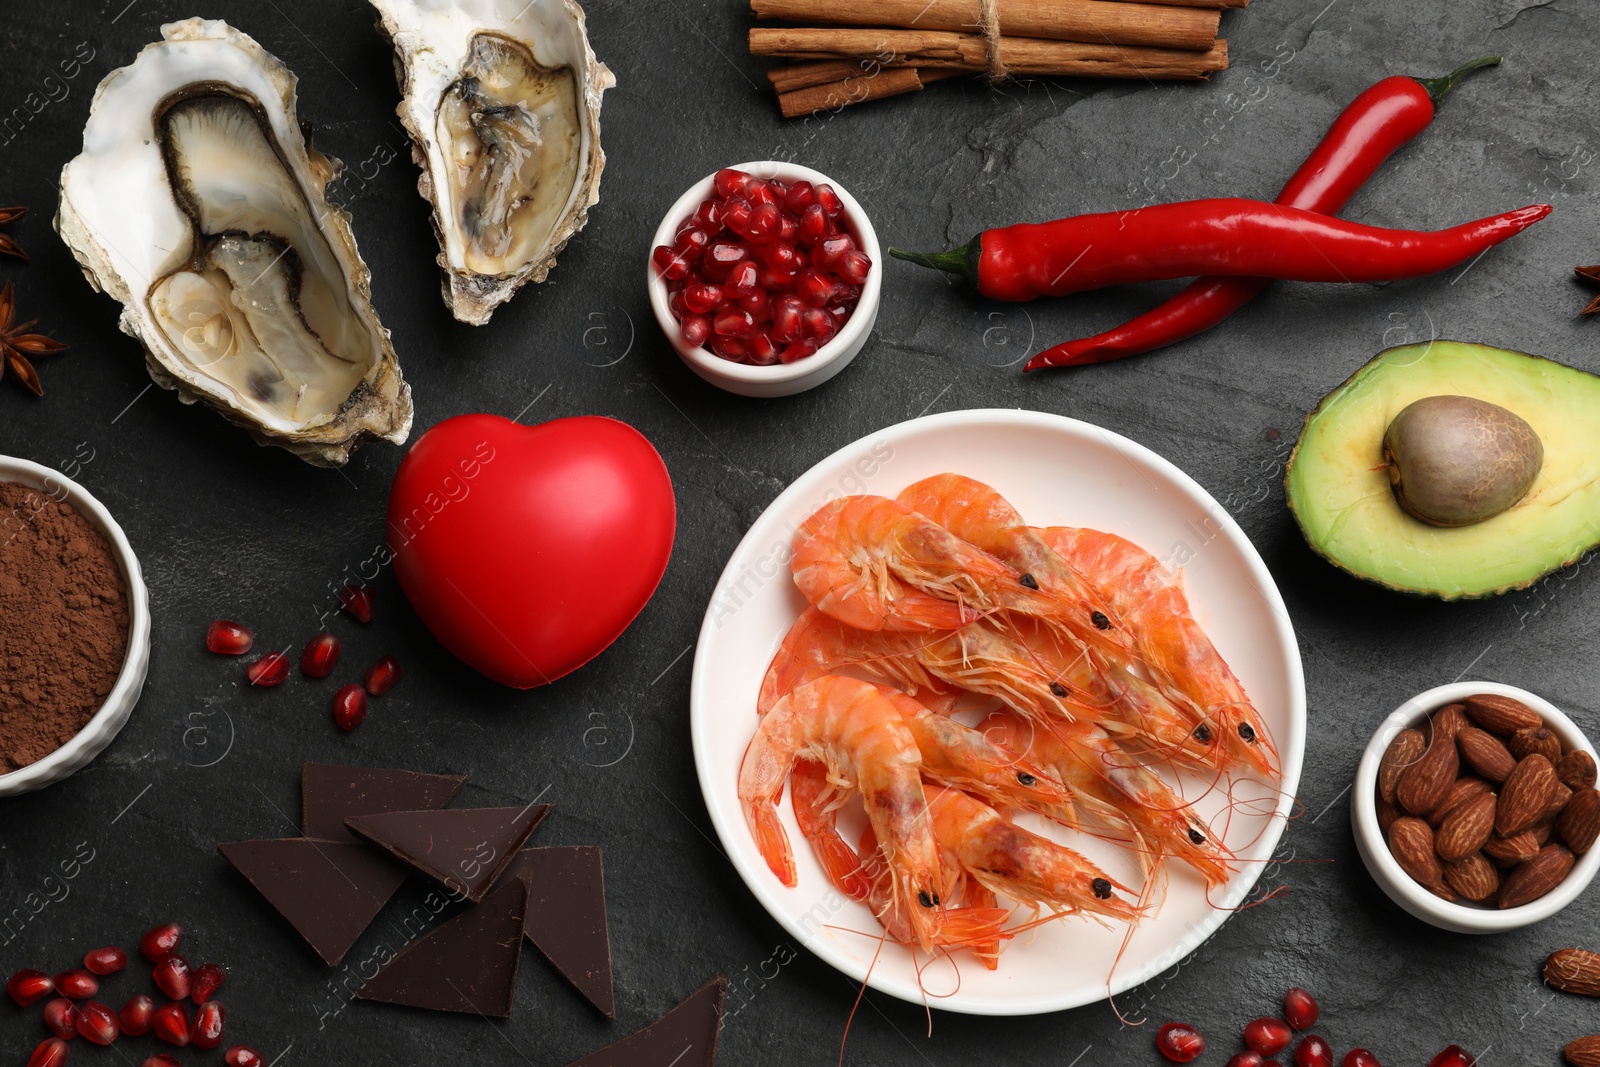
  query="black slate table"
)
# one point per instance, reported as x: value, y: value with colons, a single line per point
x: 226, y: 529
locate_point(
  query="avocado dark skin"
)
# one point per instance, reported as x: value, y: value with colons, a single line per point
x: 1457, y: 460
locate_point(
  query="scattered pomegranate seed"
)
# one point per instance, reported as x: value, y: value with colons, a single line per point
x: 173, y: 977
x: 171, y: 1024
x: 1268, y: 1036
x: 350, y: 707
x: 243, y: 1056
x: 1313, y: 1051
x: 267, y: 670
x: 207, y: 980
x: 29, y: 987
x: 1360, y: 1057
x: 61, y: 1016
x: 321, y: 653
x: 382, y: 676
x: 1454, y: 1056
x: 1300, y: 1009
x: 158, y: 944
x: 356, y: 600
x: 97, y: 1023
x: 161, y: 1059
x: 228, y: 638
x: 1178, y: 1042
x: 1246, y: 1059
x: 207, y: 1032
x: 135, y: 1015
x: 104, y: 961
x: 78, y: 984
x: 52, y: 1052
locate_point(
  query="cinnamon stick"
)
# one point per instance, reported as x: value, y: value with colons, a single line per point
x: 832, y: 96
x: 1089, y: 21
x: 1223, y: 4
x: 963, y: 51
x: 805, y: 75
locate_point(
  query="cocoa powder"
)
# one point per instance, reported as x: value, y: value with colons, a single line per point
x: 63, y: 623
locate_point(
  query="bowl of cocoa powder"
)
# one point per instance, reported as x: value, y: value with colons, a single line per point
x: 74, y: 627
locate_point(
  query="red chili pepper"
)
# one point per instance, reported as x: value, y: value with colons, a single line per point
x: 1246, y: 238
x: 1376, y: 124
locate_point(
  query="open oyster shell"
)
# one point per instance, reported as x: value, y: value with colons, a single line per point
x: 197, y: 203
x: 502, y: 101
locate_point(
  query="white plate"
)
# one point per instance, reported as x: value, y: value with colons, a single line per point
x: 1057, y: 471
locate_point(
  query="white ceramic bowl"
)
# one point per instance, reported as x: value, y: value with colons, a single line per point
x: 113, y: 714
x: 1056, y: 471
x: 1401, y: 888
x: 778, y: 379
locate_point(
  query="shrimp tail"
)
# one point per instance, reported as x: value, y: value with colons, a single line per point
x: 772, y: 840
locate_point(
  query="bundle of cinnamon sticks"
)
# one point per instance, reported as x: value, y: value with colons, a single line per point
x: 852, y: 51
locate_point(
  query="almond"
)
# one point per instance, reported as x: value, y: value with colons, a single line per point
x: 1473, y: 877
x: 1486, y: 754
x: 1525, y: 743
x: 1424, y: 784
x: 1501, y: 715
x: 1584, y: 1052
x: 1574, y: 970
x: 1538, y: 876
x: 1466, y: 829
x: 1448, y: 721
x: 1577, y: 770
x: 1510, y: 851
x: 1526, y: 797
x: 1579, y: 824
x: 1404, y: 750
x: 1465, y: 789
x: 1411, y: 842
x: 1559, y: 798
x: 1388, y: 812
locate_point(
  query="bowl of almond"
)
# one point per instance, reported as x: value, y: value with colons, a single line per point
x: 1475, y: 808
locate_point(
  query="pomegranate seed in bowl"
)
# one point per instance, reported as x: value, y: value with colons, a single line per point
x: 156, y: 945
x: 104, y: 961
x: 1300, y: 1009
x: 29, y: 987
x: 1179, y: 1042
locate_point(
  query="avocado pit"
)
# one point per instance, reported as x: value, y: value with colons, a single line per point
x: 1458, y: 460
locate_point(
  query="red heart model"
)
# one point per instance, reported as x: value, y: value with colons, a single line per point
x: 528, y: 549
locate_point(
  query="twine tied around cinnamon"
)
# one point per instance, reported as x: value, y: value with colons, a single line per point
x: 989, y: 26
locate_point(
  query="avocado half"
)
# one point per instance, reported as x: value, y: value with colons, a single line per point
x: 1340, y: 493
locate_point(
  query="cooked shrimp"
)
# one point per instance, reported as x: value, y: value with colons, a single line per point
x: 976, y: 922
x: 818, y: 644
x: 1020, y: 864
x: 1171, y: 643
x: 979, y: 515
x: 878, y: 565
x: 816, y: 809
x: 1090, y: 762
x: 853, y: 728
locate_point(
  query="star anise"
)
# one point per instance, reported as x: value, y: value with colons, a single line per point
x: 17, y: 345
x: 7, y: 244
x: 1590, y: 274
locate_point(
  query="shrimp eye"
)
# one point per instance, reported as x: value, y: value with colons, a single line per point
x: 1030, y: 581
x: 1100, y: 621
x: 1247, y: 732
x: 1197, y: 837
x: 927, y: 899
x: 1058, y: 689
x: 1025, y: 778
x: 1102, y: 888
x: 1202, y: 734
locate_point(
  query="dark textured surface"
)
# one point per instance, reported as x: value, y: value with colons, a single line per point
x: 225, y: 529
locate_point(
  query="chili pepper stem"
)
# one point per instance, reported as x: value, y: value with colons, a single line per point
x: 1438, y: 88
x: 962, y: 261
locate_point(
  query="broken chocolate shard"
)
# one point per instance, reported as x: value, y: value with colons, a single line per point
x: 329, y: 891
x: 567, y: 916
x: 686, y: 1036
x: 330, y: 794
x: 468, y: 965
x: 463, y: 849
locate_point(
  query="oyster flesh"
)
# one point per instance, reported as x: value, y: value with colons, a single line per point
x: 502, y: 102
x: 197, y: 203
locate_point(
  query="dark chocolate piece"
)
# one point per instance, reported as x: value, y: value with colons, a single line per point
x: 567, y: 916
x: 469, y: 964
x: 329, y: 891
x: 463, y: 849
x: 686, y: 1036
x: 330, y: 794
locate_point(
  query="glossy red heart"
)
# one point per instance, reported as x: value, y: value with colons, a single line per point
x: 528, y: 549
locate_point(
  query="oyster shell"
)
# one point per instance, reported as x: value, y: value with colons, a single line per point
x: 502, y: 102
x: 197, y: 203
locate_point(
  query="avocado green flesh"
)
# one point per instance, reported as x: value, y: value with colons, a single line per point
x: 1343, y: 501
